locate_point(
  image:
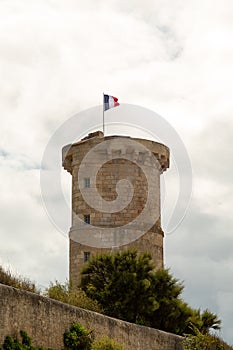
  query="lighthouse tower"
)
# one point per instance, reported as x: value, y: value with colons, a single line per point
x: 116, y: 206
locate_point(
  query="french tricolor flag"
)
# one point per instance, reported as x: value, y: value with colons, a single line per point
x: 110, y: 102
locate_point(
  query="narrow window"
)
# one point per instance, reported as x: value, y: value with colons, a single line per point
x: 87, y: 219
x: 87, y: 182
x: 86, y: 256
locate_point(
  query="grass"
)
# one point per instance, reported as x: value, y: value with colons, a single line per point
x: 9, y: 279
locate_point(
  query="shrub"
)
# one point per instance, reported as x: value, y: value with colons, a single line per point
x: 202, y: 342
x: 77, y: 338
x: 7, y: 278
x: 105, y: 343
x: 24, y: 344
x: 77, y: 297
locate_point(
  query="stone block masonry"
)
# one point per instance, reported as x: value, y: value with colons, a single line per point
x: 45, y: 320
x: 124, y: 158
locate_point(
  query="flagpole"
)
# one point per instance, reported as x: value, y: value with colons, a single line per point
x: 103, y: 113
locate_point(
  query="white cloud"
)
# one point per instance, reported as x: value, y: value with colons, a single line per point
x: 174, y: 57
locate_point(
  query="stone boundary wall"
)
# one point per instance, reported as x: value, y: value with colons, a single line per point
x: 45, y: 320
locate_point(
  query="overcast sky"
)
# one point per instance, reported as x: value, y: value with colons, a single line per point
x: 172, y: 57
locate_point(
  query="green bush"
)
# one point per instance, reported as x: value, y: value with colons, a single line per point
x: 203, y: 342
x: 24, y: 344
x: 105, y: 343
x: 77, y: 297
x: 77, y: 338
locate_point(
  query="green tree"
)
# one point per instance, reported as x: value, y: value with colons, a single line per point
x: 121, y: 284
x: 172, y: 313
x: 209, y: 321
x: 203, y: 322
x: 127, y: 287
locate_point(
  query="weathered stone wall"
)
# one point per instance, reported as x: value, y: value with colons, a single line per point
x: 45, y: 320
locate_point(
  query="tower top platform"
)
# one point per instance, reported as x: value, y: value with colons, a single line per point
x: 77, y: 149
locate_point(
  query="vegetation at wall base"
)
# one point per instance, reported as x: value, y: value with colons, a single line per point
x: 204, y: 342
x: 78, y: 338
x: 105, y: 343
x: 24, y: 344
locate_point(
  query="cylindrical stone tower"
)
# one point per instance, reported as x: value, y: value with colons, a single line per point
x: 115, y: 197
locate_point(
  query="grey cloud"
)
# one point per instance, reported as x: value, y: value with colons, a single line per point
x: 212, y: 154
x: 203, y: 234
x: 18, y: 161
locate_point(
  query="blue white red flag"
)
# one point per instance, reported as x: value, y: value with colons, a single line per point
x: 110, y: 102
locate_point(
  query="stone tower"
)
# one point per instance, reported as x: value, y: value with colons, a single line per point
x: 122, y: 217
